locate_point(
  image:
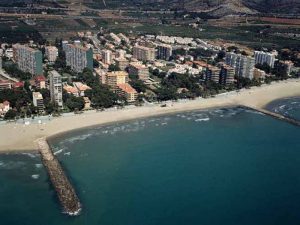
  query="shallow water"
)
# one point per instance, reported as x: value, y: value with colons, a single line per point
x: 225, y: 166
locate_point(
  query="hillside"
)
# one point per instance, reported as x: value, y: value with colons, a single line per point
x: 216, y: 7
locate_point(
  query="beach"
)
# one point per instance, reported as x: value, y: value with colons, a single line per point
x: 22, y: 137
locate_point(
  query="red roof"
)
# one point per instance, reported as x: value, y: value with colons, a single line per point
x: 6, y: 103
x: 19, y: 84
x: 40, y: 78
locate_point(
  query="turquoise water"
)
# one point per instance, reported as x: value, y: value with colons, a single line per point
x: 225, y: 166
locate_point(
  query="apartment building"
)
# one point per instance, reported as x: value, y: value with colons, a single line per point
x: 51, y: 53
x: 78, y: 57
x: 28, y: 59
x: 144, y: 53
x: 139, y: 70
x: 55, y: 88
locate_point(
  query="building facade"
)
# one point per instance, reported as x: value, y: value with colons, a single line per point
x: 55, y: 86
x: 243, y: 65
x: 227, y: 75
x: 164, y: 51
x: 128, y: 92
x: 78, y: 57
x: 28, y: 59
x: 139, y: 70
x: 264, y: 57
x: 51, y: 53
x: 143, y: 53
x: 115, y: 78
x: 38, y: 101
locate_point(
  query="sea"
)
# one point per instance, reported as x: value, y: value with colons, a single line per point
x: 227, y: 166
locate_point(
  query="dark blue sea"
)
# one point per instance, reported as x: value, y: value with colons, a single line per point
x: 216, y: 167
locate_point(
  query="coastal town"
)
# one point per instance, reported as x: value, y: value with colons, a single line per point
x: 104, y: 69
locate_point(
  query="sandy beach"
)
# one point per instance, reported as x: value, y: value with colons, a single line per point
x: 21, y: 137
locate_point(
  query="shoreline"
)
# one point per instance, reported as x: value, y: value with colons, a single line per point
x: 21, y: 138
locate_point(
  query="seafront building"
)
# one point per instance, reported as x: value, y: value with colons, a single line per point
x: 244, y: 65
x: 264, y: 57
x: 143, y: 53
x: 55, y: 86
x: 284, y: 66
x: 4, y: 107
x: 212, y: 73
x: 78, y: 57
x: 127, y: 91
x: 38, y: 101
x: 51, y: 53
x: 227, y: 75
x: 28, y: 59
x: 115, y: 78
x: 139, y: 70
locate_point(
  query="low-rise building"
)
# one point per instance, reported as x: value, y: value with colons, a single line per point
x: 71, y: 90
x: 259, y: 74
x: 5, y: 84
x: 4, y: 108
x: 82, y: 88
x: 38, y: 101
x: 40, y: 81
x: 127, y: 91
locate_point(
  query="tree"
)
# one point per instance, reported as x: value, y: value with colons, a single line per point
x: 138, y: 85
x: 102, y: 97
x: 10, y: 115
x: 75, y: 103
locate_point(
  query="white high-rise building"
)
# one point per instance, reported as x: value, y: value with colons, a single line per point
x: 264, y: 57
x: 244, y: 65
x: 107, y: 57
x: 28, y: 59
x: 51, y: 53
x: 56, y: 88
x: 78, y: 57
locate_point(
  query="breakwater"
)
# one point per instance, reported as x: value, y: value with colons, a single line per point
x: 65, y: 191
x: 275, y: 115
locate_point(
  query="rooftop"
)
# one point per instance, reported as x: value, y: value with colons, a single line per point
x: 127, y: 88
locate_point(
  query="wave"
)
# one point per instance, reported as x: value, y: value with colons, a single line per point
x: 31, y: 155
x: 35, y: 176
x: 38, y: 165
x: 202, y: 120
